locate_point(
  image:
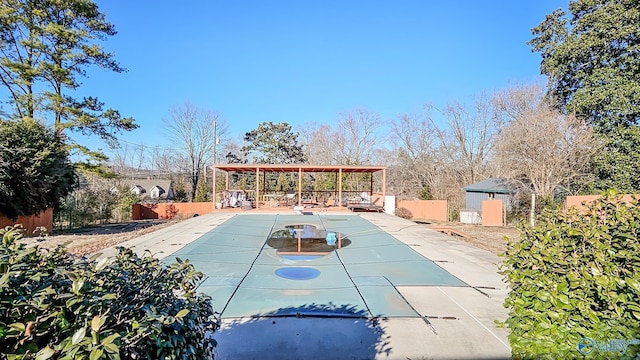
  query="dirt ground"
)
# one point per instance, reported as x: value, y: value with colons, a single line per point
x: 97, y: 237
x: 490, y: 238
x: 94, y: 238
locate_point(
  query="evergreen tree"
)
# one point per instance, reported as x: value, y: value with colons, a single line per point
x: 591, y: 58
x: 201, y: 194
x: 35, y: 172
x: 273, y: 143
x: 45, y: 46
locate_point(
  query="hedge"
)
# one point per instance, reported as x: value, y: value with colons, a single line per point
x: 574, y: 283
x: 54, y: 305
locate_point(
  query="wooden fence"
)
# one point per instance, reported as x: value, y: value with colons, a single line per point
x: 32, y: 222
x: 169, y: 210
x: 437, y: 210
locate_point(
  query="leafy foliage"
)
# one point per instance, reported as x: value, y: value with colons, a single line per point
x: 425, y: 193
x: 575, y: 275
x: 180, y: 193
x: 34, y: 170
x: 87, y: 206
x: 591, y: 59
x: 46, y: 45
x: 201, y: 194
x: 616, y: 166
x: 55, y: 305
x: 90, y: 205
x: 273, y: 143
x: 126, y: 199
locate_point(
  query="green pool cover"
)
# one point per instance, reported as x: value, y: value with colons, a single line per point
x: 246, y: 277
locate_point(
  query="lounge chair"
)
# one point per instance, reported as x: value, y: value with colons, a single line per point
x: 366, y: 207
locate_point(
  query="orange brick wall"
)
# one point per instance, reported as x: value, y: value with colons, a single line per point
x: 572, y: 201
x: 426, y: 209
x: 492, y: 213
x: 45, y: 219
x: 169, y: 211
x: 576, y: 201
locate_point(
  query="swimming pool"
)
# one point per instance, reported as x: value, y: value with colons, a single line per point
x: 258, y: 265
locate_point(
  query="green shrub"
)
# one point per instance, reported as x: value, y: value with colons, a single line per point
x: 425, y: 193
x: 574, y: 280
x: 454, y: 215
x: 84, y: 207
x: 201, y: 194
x: 126, y: 200
x: 55, y: 305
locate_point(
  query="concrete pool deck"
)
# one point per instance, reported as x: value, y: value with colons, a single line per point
x: 455, y: 322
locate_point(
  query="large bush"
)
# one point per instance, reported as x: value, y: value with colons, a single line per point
x: 55, y: 305
x: 575, y: 283
x: 35, y: 172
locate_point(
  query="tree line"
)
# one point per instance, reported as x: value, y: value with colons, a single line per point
x: 514, y: 134
x: 45, y: 48
x: 577, y: 133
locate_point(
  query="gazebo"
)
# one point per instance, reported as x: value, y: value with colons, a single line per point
x: 259, y: 169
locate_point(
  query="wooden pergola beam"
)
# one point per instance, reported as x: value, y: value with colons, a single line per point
x: 300, y: 168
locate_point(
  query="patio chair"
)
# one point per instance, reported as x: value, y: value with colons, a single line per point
x: 290, y: 196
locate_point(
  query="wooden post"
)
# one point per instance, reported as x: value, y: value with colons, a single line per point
x: 257, y: 187
x: 504, y: 213
x: 264, y: 183
x: 215, y: 194
x: 370, y: 188
x: 340, y: 187
x: 335, y: 194
x: 532, y: 217
x: 213, y: 168
x: 384, y: 186
x: 339, y: 240
x: 299, y: 186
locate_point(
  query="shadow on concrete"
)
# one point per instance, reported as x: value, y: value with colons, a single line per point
x: 314, y: 331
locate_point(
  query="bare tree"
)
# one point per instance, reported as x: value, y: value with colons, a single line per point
x: 164, y: 161
x: 319, y: 143
x: 467, y: 143
x: 119, y: 160
x: 140, y: 156
x: 414, y: 170
x: 192, y: 131
x: 544, y: 151
x: 356, y: 137
x: 232, y: 152
x: 516, y: 101
x: 125, y: 160
x: 354, y: 140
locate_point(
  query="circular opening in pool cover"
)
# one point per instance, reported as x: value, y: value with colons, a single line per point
x: 298, y: 273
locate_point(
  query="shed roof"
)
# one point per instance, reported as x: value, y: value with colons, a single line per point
x: 491, y: 185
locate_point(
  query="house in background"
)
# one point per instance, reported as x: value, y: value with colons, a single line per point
x: 138, y: 190
x: 150, y: 190
x: 489, y: 189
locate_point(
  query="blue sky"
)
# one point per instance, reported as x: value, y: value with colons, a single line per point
x: 306, y: 61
